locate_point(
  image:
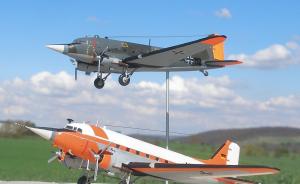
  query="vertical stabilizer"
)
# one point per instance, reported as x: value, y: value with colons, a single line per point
x: 227, y: 154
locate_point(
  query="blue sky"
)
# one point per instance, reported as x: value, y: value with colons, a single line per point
x: 252, y: 26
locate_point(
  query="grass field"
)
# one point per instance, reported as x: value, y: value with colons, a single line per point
x: 26, y: 159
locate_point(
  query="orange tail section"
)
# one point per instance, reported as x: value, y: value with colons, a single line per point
x: 217, y: 43
x: 227, y: 154
x: 218, y: 51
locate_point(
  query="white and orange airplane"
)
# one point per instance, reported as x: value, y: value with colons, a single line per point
x: 93, y: 148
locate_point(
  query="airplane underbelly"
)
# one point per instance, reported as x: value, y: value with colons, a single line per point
x: 172, y: 69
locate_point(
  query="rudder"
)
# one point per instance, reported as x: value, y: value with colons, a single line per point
x: 227, y: 154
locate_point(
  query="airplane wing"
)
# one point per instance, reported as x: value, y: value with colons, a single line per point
x: 194, y: 173
x: 206, y: 51
x: 230, y: 180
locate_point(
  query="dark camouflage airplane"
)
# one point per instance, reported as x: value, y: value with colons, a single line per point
x: 104, y: 55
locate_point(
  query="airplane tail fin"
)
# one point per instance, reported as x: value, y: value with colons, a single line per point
x: 218, y: 51
x: 227, y: 154
x: 217, y: 43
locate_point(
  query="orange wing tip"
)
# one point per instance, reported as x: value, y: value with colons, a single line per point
x: 275, y: 170
x: 266, y: 170
x: 214, y: 39
x: 234, y: 62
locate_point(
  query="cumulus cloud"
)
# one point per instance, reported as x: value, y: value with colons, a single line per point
x: 274, y: 56
x: 196, y: 104
x: 223, y: 13
x: 286, y: 102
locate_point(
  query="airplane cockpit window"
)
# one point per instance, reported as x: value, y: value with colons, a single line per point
x: 78, y: 42
x: 73, y: 128
x: 69, y: 127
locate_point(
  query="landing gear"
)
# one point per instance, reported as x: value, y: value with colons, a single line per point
x: 126, y: 179
x: 99, y: 83
x: 125, y: 182
x: 205, y: 72
x: 124, y: 79
x: 83, y: 180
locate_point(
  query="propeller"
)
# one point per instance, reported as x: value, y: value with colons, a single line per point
x: 97, y: 157
x: 57, y: 154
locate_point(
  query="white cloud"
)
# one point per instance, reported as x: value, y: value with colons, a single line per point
x: 14, y: 110
x: 274, y: 56
x: 196, y: 104
x: 277, y: 103
x: 223, y: 13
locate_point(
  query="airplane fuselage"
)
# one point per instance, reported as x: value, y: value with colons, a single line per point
x: 106, y: 56
x: 121, y: 149
x: 85, y: 50
x: 93, y: 148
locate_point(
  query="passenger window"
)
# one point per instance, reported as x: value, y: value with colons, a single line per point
x: 118, y: 146
x: 157, y: 159
x: 147, y: 155
x: 137, y: 152
x: 128, y: 149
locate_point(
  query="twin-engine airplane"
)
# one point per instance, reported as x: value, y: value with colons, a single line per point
x: 104, y: 55
x: 92, y: 148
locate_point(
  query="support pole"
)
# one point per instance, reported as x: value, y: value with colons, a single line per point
x: 167, y: 110
x: 167, y: 113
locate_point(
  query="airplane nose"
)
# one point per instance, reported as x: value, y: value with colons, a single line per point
x: 57, y: 47
x: 46, y: 134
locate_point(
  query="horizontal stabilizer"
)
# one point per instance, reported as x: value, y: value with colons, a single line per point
x: 222, y: 63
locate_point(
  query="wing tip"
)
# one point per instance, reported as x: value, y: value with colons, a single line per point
x: 213, y: 39
x: 232, y: 62
x: 275, y: 170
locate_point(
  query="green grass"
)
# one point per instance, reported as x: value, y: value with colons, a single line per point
x: 26, y: 159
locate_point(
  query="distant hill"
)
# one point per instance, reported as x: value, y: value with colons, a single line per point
x: 241, y: 135
x: 216, y: 137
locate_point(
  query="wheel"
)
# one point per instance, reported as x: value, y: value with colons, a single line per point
x: 123, y: 182
x: 99, y: 83
x: 83, y: 180
x: 124, y: 80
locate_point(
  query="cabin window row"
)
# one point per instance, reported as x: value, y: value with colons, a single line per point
x: 139, y: 153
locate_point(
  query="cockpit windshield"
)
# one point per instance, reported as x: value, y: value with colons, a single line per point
x: 69, y: 127
x: 73, y: 128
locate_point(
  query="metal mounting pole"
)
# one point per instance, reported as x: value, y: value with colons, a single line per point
x: 167, y: 112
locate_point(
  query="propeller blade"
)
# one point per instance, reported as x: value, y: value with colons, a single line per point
x: 52, y: 159
x: 97, y: 167
x: 105, y: 148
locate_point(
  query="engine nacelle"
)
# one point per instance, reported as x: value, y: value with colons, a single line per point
x: 111, y: 61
